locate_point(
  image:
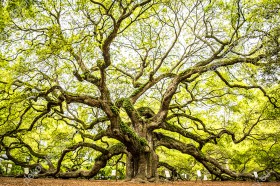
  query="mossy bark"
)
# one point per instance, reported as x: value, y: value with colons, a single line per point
x: 142, y: 165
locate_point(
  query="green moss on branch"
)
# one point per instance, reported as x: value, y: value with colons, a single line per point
x: 115, y: 109
x: 128, y: 131
x: 138, y: 90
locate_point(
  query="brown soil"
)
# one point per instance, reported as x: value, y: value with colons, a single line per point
x: 75, y: 182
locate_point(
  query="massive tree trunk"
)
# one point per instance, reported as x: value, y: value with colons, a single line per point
x: 142, y: 166
x: 142, y: 161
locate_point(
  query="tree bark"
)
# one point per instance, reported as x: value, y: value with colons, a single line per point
x: 142, y: 167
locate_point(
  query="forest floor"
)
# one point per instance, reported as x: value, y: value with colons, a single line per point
x: 74, y: 182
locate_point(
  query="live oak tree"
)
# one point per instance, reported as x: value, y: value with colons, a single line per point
x: 84, y: 81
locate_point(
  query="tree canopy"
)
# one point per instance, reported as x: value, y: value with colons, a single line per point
x: 172, y: 84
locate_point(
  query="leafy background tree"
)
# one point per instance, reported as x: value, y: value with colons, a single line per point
x: 147, y: 83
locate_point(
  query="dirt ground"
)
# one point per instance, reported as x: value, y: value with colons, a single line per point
x: 72, y: 182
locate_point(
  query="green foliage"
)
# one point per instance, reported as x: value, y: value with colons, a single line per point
x: 100, y: 63
x: 221, y: 58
